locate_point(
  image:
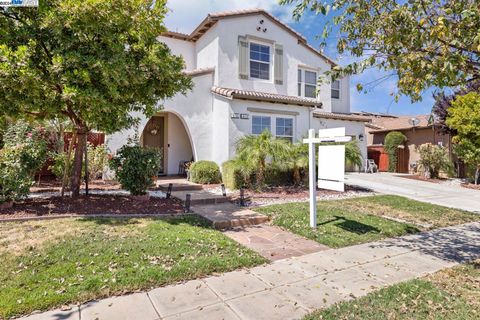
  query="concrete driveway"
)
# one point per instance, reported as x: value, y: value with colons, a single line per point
x: 445, y: 194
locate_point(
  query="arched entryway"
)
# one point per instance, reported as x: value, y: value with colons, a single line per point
x: 167, y: 132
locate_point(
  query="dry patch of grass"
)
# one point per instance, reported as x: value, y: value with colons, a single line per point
x: 424, y: 215
x: 16, y: 238
x: 47, y: 264
x: 446, y: 295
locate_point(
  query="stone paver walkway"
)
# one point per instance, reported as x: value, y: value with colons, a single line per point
x: 274, y: 243
x: 228, y: 215
x: 290, y: 288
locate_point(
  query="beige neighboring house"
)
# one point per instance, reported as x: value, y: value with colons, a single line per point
x: 418, y: 129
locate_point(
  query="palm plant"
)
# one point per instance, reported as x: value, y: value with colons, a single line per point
x: 253, y: 152
x: 296, y: 159
x: 353, y: 155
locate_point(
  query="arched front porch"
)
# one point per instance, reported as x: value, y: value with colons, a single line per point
x: 167, y: 131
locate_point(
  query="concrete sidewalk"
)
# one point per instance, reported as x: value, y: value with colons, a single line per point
x: 290, y: 288
x: 444, y: 194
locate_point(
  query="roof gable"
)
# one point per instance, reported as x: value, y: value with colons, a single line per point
x: 213, y: 18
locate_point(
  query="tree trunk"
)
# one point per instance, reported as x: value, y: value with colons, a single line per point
x: 67, y: 161
x: 76, y: 177
x: 296, y: 176
x: 477, y: 175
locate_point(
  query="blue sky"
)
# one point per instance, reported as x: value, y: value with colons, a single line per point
x: 185, y: 15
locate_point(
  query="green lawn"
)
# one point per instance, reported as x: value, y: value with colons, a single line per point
x: 449, y: 294
x: 358, y: 220
x: 49, y: 263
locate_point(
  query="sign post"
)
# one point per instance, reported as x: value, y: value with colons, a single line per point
x: 312, y: 180
x: 331, y: 164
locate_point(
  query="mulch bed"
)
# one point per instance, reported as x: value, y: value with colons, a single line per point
x: 91, y: 205
x: 471, y: 186
x: 52, y: 185
x: 422, y: 178
x: 295, y: 193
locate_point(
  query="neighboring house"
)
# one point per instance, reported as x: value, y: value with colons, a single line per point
x: 425, y: 131
x: 251, y: 72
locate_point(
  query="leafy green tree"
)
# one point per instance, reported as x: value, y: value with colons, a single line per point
x: 433, y: 159
x: 464, y: 117
x: 253, y: 151
x: 93, y: 62
x: 423, y: 43
x: 392, y: 141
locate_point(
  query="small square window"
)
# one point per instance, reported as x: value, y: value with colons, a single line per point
x: 284, y: 129
x: 260, y: 123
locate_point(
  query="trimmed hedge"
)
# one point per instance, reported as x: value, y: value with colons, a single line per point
x: 232, y: 175
x: 274, y: 176
x: 205, y: 172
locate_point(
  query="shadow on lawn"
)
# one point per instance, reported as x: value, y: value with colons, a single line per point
x: 358, y: 227
x: 351, y: 225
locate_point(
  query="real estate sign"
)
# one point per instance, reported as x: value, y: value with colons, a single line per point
x: 331, y: 164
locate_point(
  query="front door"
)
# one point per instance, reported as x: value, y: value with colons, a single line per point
x: 154, y: 137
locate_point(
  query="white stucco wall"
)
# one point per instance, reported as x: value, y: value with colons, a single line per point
x: 342, y: 105
x: 179, y: 147
x: 196, y: 110
x: 186, y: 49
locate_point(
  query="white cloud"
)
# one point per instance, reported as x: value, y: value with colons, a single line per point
x: 185, y: 15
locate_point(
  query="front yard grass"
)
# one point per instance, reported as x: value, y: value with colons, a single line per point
x: 352, y: 221
x: 46, y: 264
x: 448, y: 294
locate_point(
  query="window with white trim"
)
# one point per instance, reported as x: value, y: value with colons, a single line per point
x: 336, y: 89
x: 260, y: 61
x: 281, y: 127
x: 284, y: 128
x: 307, y: 83
x: 260, y: 123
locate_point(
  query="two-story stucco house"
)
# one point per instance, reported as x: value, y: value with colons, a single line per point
x: 251, y: 72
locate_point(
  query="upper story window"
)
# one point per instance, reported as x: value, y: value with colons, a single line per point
x: 260, y: 123
x: 336, y: 89
x: 259, y: 61
x: 307, y: 83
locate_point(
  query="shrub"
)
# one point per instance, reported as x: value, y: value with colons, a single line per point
x: 433, y: 159
x: 135, y: 166
x: 232, y: 175
x: 23, y: 154
x: 205, y: 172
x: 392, y: 141
x: 15, y: 176
x: 30, y: 143
x: 277, y: 176
x: 58, y: 164
x: 97, y: 160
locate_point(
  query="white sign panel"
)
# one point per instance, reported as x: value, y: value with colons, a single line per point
x: 331, y: 167
x: 18, y: 3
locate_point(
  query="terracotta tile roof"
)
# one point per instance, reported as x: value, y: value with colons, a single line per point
x: 263, y: 96
x: 200, y: 72
x: 212, y: 19
x: 400, y: 123
x: 340, y: 116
